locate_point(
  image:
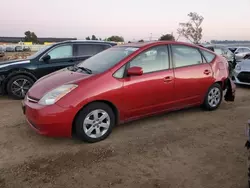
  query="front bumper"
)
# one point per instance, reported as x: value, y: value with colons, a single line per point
x: 241, y: 77
x: 50, y: 120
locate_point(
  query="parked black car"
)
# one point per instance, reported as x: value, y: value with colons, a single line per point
x: 16, y: 77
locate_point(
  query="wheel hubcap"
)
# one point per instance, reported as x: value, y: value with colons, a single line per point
x: 20, y: 87
x: 96, y: 123
x: 214, y: 97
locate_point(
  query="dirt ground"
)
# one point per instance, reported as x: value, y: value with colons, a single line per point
x: 189, y: 148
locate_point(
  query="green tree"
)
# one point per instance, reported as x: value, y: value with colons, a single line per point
x: 30, y: 37
x: 94, y: 37
x: 141, y: 40
x: 192, y: 29
x: 129, y: 41
x: 167, y: 37
x: 87, y: 38
x: 115, y: 38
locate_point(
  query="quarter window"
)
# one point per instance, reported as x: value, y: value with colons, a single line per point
x: 89, y: 49
x: 185, y: 56
x: 218, y: 51
x: 209, y: 56
x: 120, y: 72
x: 64, y: 51
x: 154, y: 59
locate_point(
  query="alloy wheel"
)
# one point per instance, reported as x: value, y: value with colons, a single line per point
x: 96, y: 123
x: 20, y: 87
x: 214, y: 97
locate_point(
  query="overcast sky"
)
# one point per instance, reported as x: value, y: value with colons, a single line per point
x: 132, y: 19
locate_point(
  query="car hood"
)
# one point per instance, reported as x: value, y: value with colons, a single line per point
x: 54, y: 80
x: 245, y: 65
x: 13, y: 62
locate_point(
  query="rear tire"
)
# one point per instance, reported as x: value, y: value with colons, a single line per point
x: 213, y: 97
x: 18, y: 86
x: 94, y: 122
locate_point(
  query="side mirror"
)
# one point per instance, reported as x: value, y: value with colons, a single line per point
x: 134, y: 71
x: 46, y: 58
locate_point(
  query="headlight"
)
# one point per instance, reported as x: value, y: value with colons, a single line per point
x: 53, y: 96
x: 237, y: 67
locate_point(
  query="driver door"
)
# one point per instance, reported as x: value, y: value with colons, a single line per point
x: 60, y: 57
x: 153, y: 91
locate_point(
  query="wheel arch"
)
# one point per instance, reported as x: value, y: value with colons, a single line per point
x: 17, y: 72
x: 110, y: 104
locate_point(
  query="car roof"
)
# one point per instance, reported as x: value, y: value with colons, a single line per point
x: 153, y: 43
x: 87, y: 41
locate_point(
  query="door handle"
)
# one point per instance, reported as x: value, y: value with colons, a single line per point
x: 168, y: 79
x: 207, y: 72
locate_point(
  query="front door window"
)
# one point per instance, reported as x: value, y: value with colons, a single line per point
x: 60, y: 52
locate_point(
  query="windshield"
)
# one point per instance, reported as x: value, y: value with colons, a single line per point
x: 107, y: 58
x: 39, y: 52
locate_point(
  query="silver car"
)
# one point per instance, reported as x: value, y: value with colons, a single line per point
x: 240, y: 52
x: 241, y: 74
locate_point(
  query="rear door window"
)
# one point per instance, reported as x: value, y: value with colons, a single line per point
x: 89, y: 49
x: 186, y: 56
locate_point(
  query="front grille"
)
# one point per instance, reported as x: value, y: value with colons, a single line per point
x: 33, y: 100
x: 244, y: 77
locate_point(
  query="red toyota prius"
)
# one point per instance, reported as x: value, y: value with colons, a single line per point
x: 125, y: 83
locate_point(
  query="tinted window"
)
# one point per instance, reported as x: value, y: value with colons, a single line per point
x: 152, y: 60
x: 107, y: 58
x: 209, y: 56
x: 185, y: 56
x: 232, y: 49
x: 64, y: 51
x: 89, y: 49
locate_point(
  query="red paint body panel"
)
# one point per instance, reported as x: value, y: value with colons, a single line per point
x: 134, y: 97
x: 49, y: 120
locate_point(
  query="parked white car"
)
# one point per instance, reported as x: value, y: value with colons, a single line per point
x: 240, y: 52
x: 241, y: 74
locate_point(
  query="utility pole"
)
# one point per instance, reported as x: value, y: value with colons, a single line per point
x: 150, y: 38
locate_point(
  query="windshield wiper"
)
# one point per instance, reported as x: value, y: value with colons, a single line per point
x: 85, y: 69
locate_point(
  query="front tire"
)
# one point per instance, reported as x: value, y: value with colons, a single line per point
x: 18, y: 86
x: 94, y: 122
x: 213, y: 97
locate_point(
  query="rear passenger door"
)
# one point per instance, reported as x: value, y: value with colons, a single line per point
x: 193, y: 76
x: 84, y: 51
